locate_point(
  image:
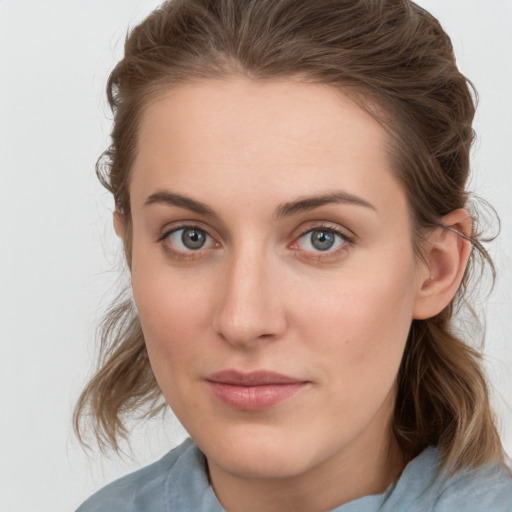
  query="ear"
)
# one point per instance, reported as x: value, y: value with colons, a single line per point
x: 446, y: 255
x: 118, y: 223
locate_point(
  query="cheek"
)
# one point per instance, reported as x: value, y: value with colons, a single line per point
x: 172, y: 311
x: 171, y: 318
x: 361, y: 321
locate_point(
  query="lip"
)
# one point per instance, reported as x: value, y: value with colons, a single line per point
x: 255, y: 390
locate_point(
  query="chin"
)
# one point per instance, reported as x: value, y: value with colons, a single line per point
x: 261, y: 464
x: 261, y: 455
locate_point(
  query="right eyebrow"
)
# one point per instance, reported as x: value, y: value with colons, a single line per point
x: 172, y: 199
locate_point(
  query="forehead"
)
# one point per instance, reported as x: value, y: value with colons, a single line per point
x: 271, y: 138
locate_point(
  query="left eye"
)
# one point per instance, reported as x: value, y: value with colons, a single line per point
x: 189, y: 239
x: 321, y: 240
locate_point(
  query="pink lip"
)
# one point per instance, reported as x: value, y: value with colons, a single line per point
x: 253, y: 391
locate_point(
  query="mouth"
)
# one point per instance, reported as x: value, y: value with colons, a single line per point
x: 253, y: 391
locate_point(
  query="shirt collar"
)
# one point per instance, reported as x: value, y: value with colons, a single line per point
x: 187, y: 487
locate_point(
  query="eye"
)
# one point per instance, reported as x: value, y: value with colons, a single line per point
x: 188, y: 238
x: 322, y: 240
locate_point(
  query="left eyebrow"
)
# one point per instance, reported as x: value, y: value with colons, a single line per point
x: 310, y: 203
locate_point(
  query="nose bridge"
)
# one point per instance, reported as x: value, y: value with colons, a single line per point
x: 248, y: 307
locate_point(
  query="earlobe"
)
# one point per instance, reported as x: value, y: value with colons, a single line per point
x: 118, y: 223
x: 446, y: 255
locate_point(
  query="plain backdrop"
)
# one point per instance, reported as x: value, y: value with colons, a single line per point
x: 59, y: 258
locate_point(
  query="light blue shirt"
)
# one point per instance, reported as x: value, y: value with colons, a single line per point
x: 178, y: 483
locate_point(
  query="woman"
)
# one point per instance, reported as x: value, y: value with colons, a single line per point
x: 289, y: 180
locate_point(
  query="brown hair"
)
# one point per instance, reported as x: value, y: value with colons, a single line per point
x: 393, y: 59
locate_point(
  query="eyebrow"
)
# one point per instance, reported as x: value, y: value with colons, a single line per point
x: 284, y: 210
x: 173, y: 199
x: 310, y: 203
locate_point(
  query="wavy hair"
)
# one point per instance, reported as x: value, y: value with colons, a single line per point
x: 394, y: 60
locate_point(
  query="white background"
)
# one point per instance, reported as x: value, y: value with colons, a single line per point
x: 59, y: 257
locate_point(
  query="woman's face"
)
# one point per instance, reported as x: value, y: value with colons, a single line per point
x: 273, y: 272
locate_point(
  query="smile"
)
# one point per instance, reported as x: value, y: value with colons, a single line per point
x: 253, y: 391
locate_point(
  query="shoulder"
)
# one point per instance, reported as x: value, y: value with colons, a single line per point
x: 423, y: 487
x: 481, y: 489
x: 142, y: 490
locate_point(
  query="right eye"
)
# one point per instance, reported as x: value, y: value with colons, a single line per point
x: 188, y: 239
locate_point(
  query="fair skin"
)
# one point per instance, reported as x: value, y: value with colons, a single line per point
x: 230, y: 272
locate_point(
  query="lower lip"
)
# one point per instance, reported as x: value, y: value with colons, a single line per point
x: 254, y: 398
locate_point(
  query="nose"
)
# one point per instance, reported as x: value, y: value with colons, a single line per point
x: 249, y: 308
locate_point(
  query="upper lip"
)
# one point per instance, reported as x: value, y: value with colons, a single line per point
x: 256, y: 378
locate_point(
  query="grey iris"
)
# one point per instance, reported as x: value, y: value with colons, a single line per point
x: 193, y: 238
x: 322, y: 240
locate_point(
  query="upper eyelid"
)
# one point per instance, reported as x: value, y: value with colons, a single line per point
x: 328, y: 226
x: 169, y: 228
x: 324, y: 227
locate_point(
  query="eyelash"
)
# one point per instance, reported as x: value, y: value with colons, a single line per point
x: 347, y: 242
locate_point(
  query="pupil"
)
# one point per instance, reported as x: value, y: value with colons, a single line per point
x: 322, y: 240
x: 193, y: 238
